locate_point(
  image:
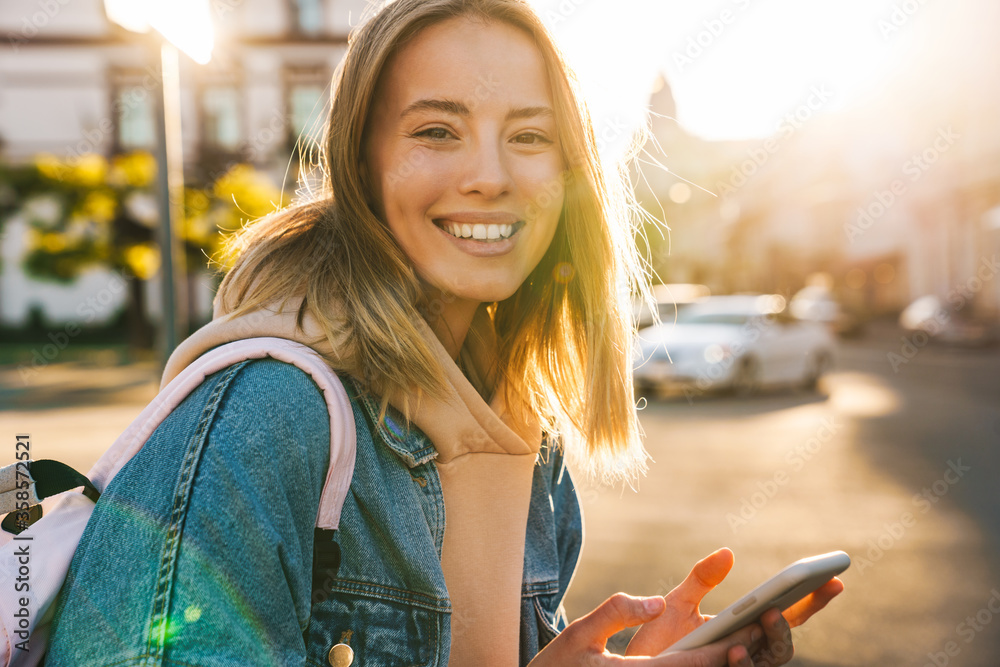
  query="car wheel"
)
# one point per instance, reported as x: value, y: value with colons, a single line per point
x: 818, y: 365
x: 747, y: 380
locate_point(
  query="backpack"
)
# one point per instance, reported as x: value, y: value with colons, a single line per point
x: 47, y: 517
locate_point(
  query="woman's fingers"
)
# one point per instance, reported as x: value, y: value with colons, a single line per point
x: 731, y: 651
x: 618, y: 612
x: 704, y: 576
x: 583, y: 641
x: 779, y: 648
x: 800, y: 612
x: 739, y: 656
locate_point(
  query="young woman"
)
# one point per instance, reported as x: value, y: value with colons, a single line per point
x: 463, y: 272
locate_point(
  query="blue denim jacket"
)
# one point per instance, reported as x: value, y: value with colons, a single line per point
x: 202, y: 549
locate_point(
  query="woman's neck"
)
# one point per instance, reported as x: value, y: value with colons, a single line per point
x: 448, y: 317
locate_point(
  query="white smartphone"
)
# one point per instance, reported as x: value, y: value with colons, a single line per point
x: 782, y: 591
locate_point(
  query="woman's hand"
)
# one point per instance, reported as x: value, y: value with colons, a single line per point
x: 583, y: 641
x: 682, y: 615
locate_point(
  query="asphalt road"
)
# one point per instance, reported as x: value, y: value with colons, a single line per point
x: 898, y: 467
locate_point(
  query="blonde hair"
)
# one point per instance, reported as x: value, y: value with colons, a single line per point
x: 565, y: 336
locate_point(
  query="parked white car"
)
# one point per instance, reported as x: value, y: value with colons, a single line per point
x: 816, y: 303
x: 948, y: 324
x: 740, y: 343
x: 668, y: 298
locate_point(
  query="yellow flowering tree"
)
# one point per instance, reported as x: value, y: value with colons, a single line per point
x: 242, y: 194
x: 98, y: 212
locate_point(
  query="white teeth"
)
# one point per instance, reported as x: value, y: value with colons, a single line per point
x: 480, y: 232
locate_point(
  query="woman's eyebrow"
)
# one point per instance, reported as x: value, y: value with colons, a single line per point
x: 460, y: 109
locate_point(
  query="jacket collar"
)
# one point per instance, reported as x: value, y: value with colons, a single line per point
x: 459, y: 422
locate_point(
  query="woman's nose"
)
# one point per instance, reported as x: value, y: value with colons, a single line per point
x: 486, y: 171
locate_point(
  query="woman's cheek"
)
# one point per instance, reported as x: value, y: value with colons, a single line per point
x: 543, y: 184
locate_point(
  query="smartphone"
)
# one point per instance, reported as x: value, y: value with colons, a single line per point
x: 782, y: 591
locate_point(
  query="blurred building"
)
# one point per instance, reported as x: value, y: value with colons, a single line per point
x: 71, y: 82
x: 894, y: 198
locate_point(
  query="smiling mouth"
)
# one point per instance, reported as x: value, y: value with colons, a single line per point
x: 479, y: 232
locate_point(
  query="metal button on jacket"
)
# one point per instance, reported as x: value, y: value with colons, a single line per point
x: 341, y: 655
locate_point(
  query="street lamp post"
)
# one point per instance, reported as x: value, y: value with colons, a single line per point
x: 185, y: 25
x: 170, y: 183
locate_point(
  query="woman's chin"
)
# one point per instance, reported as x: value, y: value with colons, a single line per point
x: 487, y: 294
x: 460, y: 288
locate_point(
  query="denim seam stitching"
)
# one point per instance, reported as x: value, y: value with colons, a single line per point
x: 412, y: 459
x: 156, y: 643
x: 545, y: 622
x: 397, y: 594
x: 433, y: 488
x: 541, y: 588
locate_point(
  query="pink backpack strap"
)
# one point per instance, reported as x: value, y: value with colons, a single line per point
x: 343, y: 439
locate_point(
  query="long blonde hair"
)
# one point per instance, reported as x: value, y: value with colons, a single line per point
x: 565, y: 336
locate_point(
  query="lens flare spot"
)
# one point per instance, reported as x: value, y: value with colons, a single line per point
x: 563, y: 273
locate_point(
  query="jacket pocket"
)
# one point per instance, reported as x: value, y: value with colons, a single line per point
x: 546, y: 630
x: 537, y: 629
x: 382, y: 632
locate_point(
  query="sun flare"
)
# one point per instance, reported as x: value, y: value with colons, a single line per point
x: 187, y: 24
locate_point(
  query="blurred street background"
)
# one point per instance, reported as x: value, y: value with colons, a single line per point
x: 820, y: 184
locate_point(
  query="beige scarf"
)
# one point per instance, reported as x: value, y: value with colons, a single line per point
x: 485, y: 461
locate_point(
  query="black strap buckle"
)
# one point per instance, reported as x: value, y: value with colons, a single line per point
x: 51, y: 478
x: 326, y: 562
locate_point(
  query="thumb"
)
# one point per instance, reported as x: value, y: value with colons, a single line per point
x: 618, y: 612
x: 704, y: 576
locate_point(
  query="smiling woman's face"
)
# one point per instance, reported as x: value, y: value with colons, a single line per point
x: 463, y: 157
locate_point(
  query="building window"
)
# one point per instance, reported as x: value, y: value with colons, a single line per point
x: 134, y: 117
x: 307, y: 103
x: 308, y: 16
x: 221, y: 116
x: 307, y: 110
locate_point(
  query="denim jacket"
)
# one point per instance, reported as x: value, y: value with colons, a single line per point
x: 202, y: 550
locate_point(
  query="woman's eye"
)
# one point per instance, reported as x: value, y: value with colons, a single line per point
x: 434, y: 133
x: 531, y: 139
x: 525, y: 138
